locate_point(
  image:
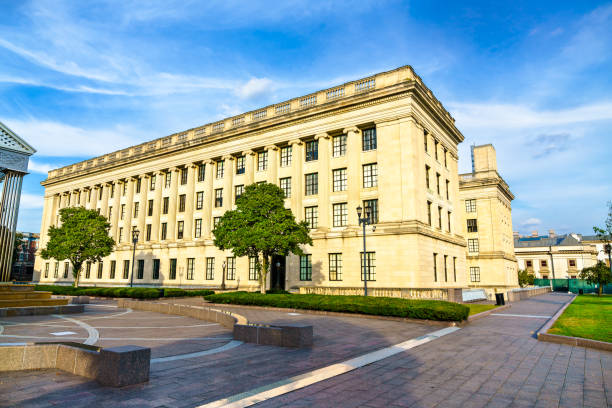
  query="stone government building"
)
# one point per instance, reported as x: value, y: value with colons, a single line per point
x: 384, y: 141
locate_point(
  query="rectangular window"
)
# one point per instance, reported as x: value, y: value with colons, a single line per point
x: 373, y: 205
x: 369, y: 139
x: 445, y: 152
x: 136, y: 208
x: 473, y: 245
x: 474, y: 274
x: 155, y: 274
x: 449, y: 221
x: 164, y: 230
x: 219, y: 197
x: 436, y: 143
x: 126, y: 269
x: 168, y: 179
x: 339, y: 176
x: 312, y: 184
x: 472, y: 225
x: 285, y: 156
x: 240, y: 166
x: 470, y: 205
x: 110, y: 212
x: 230, y: 271
x: 429, y: 212
x: 47, y: 270
x: 124, y: 189
x: 435, y: 266
x: 438, y: 183
x: 447, y: 190
x: 312, y: 150
x: 238, y: 191
x: 56, y: 271
x: 253, y: 275
x: 184, y: 174
x: 112, y: 192
x: 455, y: 268
x: 190, y: 266
x: 201, y: 172
x: 340, y: 215
x: 122, y: 211
x: 99, y: 196
x: 285, y: 185
x: 370, y: 175
x: 66, y: 268
x: 262, y: 161
x: 216, y: 221
x: 198, y: 228
x: 306, y: 267
x: 210, y: 268
x: 165, y: 205
x: 152, y: 183
x: 172, y: 274
x: 113, y: 269
x: 572, y: 263
x: 150, y: 208
x: 148, y: 232
x: 427, y: 176
x: 445, y: 268
x: 220, y: 168
x: 179, y: 230
x: 439, y: 217
x: 138, y: 185
x: 311, y: 216
x: 370, y: 266
x: 87, y: 270
x: 528, y: 264
x: 339, y: 143
x: 140, y: 268
x: 199, y: 200
x: 182, y: 200
x: 335, y: 267
x: 543, y: 263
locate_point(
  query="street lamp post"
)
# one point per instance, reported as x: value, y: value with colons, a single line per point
x: 223, y: 276
x: 135, y: 233
x: 364, y: 221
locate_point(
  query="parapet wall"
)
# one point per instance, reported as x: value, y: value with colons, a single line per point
x: 520, y: 294
x: 450, y: 294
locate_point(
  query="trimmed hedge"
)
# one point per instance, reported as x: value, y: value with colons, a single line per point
x: 136, y: 293
x: 381, y: 306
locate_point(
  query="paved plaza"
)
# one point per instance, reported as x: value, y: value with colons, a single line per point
x: 495, y: 361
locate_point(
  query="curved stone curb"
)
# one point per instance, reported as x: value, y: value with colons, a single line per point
x: 487, y: 312
x: 40, y: 310
x: 569, y: 340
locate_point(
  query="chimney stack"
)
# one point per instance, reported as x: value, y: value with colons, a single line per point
x: 515, y: 234
x: 551, y: 233
x: 534, y: 234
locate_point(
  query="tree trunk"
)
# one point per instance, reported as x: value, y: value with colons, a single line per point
x: 599, y: 290
x: 76, y: 272
x: 264, y: 274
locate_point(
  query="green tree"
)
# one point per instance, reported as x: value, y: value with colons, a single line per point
x: 17, y: 245
x: 525, y: 278
x: 605, y: 234
x: 261, y: 226
x: 82, y: 237
x: 597, y: 275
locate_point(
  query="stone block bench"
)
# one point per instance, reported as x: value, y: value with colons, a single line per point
x: 290, y: 335
x: 114, y: 366
x: 40, y: 310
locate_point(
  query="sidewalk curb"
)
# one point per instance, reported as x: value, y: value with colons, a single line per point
x: 487, y: 312
x: 569, y: 340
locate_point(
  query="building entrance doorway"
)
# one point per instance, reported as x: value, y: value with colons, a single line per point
x: 277, y: 278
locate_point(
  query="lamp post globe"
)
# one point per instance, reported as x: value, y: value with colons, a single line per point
x: 223, y: 275
x: 135, y: 234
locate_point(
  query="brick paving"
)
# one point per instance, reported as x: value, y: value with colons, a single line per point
x: 493, y: 362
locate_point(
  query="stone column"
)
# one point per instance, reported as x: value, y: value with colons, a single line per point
x: 142, y: 207
x: 189, y: 203
x: 353, y: 173
x: 297, y: 178
x: 273, y: 164
x: 172, y: 208
x: 228, y: 182
x: 325, y: 179
x: 157, y: 204
x: 105, y: 194
x: 208, y: 198
x: 249, y: 167
x: 114, y: 221
x: 46, y: 220
x: 95, y: 191
x: 129, y: 210
x: 83, y: 201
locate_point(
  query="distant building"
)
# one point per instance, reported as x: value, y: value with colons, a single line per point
x: 602, y: 255
x: 554, y: 256
x: 23, y: 267
x: 485, y: 204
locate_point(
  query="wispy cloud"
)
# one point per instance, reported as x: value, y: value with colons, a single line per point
x: 31, y: 201
x: 42, y: 168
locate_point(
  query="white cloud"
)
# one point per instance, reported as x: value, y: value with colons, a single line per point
x: 531, y: 222
x: 31, y: 201
x: 62, y: 140
x: 43, y: 168
x: 255, y: 88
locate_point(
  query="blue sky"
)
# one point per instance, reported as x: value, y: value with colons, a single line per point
x: 533, y: 78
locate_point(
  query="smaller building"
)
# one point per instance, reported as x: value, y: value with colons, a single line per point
x: 602, y: 255
x: 23, y: 267
x: 554, y: 256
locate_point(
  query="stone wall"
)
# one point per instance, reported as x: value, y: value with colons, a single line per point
x: 449, y: 294
x: 521, y: 294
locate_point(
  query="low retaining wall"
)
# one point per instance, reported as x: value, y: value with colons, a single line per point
x: 450, y: 294
x: 521, y: 294
x: 40, y: 310
x: 299, y: 336
x: 114, y: 367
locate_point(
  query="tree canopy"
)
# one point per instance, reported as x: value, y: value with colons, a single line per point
x: 261, y: 225
x: 605, y: 234
x: 82, y: 237
x: 525, y: 278
x: 598, y: 274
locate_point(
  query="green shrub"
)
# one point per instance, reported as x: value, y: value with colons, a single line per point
x: 174, y: 292
x: 277, y: 291
x: 137, y: 293
x: 381, y: 306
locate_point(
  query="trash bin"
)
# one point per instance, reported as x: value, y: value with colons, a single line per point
x: 581, y: 291
x: 499, y: 299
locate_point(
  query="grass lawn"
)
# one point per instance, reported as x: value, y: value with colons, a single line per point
x: 476, y: 308
x: 589, y: 317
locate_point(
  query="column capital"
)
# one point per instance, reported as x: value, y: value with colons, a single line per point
x: 227, y: 157
x: 271, y: 147
x: 208, y: 161
x: 248, y: 152
x: 295, y: 142
x: 324, y: 135
x: 351, y: 129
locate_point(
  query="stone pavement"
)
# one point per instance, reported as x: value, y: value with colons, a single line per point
x: 494, y: 362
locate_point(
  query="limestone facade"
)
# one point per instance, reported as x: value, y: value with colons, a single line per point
x: 384, y: 138
x: 485, y: 204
